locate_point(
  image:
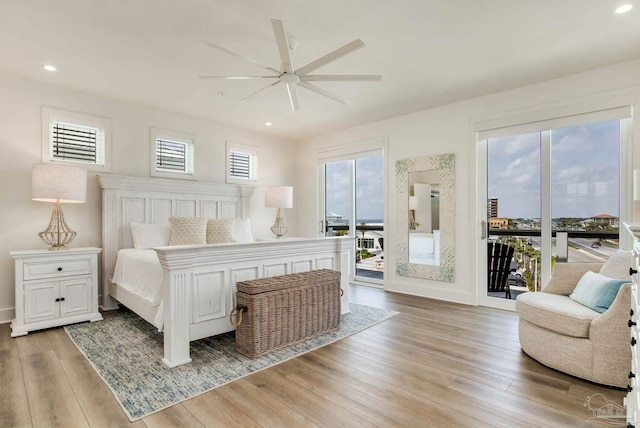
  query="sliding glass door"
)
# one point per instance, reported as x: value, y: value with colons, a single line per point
x: 552, y: 196
x: 353, y: 205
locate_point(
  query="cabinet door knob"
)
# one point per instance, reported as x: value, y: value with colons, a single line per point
x: 632, y: 271
x: 631, y: 375
x: 59, y: 269
x: 629, y: 388
x: 62, y: 299
x: 57, y: 300
x: 633, y: 341
x: 631, y: 323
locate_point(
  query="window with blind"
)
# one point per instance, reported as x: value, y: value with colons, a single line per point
x: 172, y: 153
x: 241, y: 163
x: 75, y: 138
x: 77, y: 143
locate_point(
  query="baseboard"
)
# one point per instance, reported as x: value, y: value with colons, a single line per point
x: 7, y: 315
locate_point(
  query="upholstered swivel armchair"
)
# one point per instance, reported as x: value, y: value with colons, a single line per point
x: 568, y: 336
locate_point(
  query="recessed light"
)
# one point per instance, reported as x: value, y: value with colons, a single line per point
x: 624, y: 8
x: 49, y: 67
x: 268, y: 123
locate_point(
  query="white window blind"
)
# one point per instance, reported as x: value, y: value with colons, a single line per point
x: 171, y: 156
x: 77, y: 143
x: 242, y: 163
x: 239, y: 165
x: 76, y: 138
x: 172, y: 153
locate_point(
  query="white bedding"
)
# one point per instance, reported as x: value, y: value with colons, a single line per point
x: 139, y: 271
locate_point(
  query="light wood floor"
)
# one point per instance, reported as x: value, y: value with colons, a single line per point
x: 435, y: 364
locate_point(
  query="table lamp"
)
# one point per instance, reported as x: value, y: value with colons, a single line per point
x: 279, y: 197
x: 414, y: 204
x: 59, y: 184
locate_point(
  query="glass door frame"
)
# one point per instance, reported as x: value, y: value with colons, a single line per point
x: 376, y: 148
x: 626, y: 207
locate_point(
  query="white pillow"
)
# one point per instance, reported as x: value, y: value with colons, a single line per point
x: 220, y: 231
x: 188, y: 231
x: 147, y: 235
x: 242, y: 231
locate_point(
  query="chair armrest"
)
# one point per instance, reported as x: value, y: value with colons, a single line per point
x: 611, y: 326
x: 566, y: 276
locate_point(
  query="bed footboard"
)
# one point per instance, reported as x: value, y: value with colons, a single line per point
x: 199, y: 282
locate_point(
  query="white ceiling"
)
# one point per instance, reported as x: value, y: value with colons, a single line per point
x: 429, y: 52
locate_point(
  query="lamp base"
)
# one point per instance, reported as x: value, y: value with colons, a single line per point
x: 279, y: 228
x: 412, y: 221
x: 58, y: 234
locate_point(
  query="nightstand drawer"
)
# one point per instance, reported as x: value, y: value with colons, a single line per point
x: 57, y: 268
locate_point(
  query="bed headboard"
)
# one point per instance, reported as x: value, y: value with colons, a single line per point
x: 154, y: 200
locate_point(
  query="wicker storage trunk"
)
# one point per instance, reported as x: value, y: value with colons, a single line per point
x: 286, y: 309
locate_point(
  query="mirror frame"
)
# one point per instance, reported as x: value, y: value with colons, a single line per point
x: 446, y: 270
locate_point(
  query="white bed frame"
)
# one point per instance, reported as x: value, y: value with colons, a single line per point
x: 199, y: 280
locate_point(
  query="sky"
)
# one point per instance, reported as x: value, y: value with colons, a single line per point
x: 584, y: 172
x: 369, y: 188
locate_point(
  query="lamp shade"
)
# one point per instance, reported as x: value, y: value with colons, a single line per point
x: 278, y: 197
x: 58, y: 183
x: 414, y: 203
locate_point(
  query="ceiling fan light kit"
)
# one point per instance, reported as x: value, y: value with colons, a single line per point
x: 300, y: 77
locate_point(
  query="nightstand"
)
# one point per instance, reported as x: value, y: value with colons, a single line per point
x: 55, y: 288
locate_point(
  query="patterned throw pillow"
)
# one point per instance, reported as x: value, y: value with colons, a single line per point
x: 188, y: 231
x: 220, y: 231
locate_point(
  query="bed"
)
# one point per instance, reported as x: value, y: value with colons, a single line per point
x: 198, y: 281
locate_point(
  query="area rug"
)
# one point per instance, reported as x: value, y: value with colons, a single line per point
x: 126, y: 352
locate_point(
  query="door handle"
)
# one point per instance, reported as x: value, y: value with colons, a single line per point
x: 483, y: 226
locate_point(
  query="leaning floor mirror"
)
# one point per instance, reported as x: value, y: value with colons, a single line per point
x: 426, y: 217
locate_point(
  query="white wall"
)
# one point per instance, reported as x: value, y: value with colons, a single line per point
x: 450, y: 129
x: 20, y: 139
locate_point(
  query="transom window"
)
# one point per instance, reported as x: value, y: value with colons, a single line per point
x: 74, y: 142
x: 242, y: 163
x: 172, y: 153
x: 76, y: 138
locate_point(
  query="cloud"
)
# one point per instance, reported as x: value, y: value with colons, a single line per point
x: 584, y: 172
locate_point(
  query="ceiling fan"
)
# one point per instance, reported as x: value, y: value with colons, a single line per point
x: 290, y: 76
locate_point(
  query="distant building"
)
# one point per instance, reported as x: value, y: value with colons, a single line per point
x: 605, y: 219
x: 498, y: 223
x: 492, y: 208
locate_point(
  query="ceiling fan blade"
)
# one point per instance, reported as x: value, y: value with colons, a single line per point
x: 331, y: 56
x: 341, y: 78
x: 238, y: 77
x: 322, y: 91
x: 258, y: 91
x: 232, y: 53
x: 283, y: 44
x: 293, y: 96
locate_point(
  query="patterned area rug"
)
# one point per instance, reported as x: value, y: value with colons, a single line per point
x: 126, y: 351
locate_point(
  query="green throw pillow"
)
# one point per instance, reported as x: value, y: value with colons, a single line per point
x: 597, y: 291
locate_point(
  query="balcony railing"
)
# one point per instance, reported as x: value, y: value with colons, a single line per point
x: 569, y: 246
x: 600, y: 234
x: 372, y: 267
